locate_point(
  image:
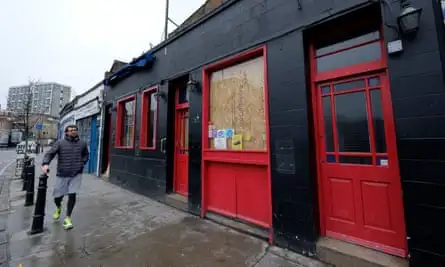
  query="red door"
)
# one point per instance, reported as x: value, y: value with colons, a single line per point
x: 359, y: 182
x: 180, y: 183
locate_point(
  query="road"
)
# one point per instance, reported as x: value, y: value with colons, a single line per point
x: 7, y: 157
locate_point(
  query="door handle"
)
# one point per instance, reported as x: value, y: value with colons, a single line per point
x: 163, y: 140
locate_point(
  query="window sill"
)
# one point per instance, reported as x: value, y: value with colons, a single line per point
x: 235, y: 151
x: 124, y: 147
x: 147, y: 148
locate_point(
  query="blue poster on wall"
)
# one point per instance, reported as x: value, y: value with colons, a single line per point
x: 221, y: 134
x: 229, y: 133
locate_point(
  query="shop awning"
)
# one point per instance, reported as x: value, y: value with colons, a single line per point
x: 143, y: 62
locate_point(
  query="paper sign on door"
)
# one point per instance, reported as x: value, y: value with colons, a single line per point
x: 237, y: 142
x: 221, y: 133
x: 220, y: 143
x: 229, y: 133
x: 384, y: 162
x: 212, y: 129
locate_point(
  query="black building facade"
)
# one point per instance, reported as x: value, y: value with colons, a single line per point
x: 314, y: 181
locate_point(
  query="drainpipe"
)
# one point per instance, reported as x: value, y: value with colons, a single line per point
x: 167, y: 2
x: 100, y: 103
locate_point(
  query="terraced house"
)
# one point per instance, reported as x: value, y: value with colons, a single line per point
x: 318, y: 125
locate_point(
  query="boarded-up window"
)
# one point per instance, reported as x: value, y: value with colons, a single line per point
x: 237, y: 106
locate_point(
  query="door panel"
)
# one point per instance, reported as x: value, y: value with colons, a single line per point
x: 181, y: 152
x: 221, y: 188
x: 360, y: 180
x: 238, y: 191
x: 375, y: 197
x: 251, y: 192
x: 342, y: 199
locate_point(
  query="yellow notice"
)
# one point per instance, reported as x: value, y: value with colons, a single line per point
x: 237, y: 142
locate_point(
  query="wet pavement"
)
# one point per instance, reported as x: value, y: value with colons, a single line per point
x: 115, y: 227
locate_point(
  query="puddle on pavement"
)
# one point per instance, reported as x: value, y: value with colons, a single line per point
x: 191, y: 242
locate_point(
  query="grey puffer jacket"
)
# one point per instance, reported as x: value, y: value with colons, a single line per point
x: 72, y: 156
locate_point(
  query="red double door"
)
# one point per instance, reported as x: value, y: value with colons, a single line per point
x: 359, y: 181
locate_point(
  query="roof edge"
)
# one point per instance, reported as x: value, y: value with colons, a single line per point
x: 98, y: 84
x: 180, y: 33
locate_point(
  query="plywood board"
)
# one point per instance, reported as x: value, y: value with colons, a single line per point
x: 237, y: 102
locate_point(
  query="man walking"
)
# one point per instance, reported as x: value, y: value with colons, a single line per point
x: 72, y: 156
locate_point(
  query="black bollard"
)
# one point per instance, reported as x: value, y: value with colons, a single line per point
x: 39, y: 210
x: 30, y: 173
x: 24, y: 177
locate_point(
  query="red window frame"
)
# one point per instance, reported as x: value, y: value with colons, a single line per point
x: 146, y: 102
x: 258, y: 156
x: 367, y: 89
x: 246, y: 157
x: 119, y: 121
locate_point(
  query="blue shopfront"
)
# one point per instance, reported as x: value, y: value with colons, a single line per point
x: 88, y: 124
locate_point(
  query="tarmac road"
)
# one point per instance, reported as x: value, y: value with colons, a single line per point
x: 7, y: 157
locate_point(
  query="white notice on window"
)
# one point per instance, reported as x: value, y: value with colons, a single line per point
x: 384, y: 162
x: 220, y: 143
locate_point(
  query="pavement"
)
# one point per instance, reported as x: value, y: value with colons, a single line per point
x: 115, y: 227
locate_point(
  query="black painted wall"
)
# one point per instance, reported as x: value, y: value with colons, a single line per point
x: 292, y: 182
x: 418, y: 98
x: 141, y: 170
x: 195, y: 130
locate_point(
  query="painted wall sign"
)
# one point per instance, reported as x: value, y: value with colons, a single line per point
x: 87, y: 110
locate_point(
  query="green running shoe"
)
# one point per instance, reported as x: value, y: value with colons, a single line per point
x: 67, y: 223
x: 56, y: 214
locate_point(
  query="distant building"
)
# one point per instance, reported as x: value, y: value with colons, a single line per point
x: 41, y: 127
x: 47, y: 98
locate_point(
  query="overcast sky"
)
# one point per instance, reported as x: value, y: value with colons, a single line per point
x: 74, y: 42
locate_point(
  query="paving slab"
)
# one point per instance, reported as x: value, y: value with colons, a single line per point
x: 115, y: 227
